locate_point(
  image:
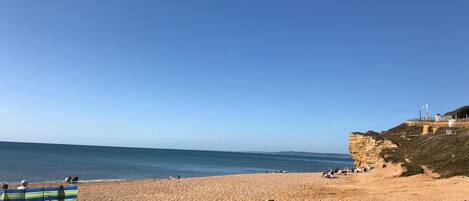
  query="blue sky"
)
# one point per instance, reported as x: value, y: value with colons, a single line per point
x: 226, y: 75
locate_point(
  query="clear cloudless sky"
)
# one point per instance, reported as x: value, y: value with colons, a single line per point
x: 241, y: 75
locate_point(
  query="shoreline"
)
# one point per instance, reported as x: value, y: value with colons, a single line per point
x: 33, y: 183
x: 375, y: 185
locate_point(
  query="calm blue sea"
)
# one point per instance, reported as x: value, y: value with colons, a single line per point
x: 50, y: 162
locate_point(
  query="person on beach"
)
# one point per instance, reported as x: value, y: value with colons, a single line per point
x: 174, y: 177
x: 68, y: 179
x: 74, y: 180
x: 24, y: 185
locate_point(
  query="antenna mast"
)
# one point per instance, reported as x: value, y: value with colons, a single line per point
x: 426, y: 109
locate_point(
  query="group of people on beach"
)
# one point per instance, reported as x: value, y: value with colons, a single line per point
x: 23, y: 185
x: 277, y: 171
x: 174, y: 177
x: 331, y: 173
x: 361, y: 169
x: 71, y: 180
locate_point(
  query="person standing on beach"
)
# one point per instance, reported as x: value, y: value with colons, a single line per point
x: 3, y: 194
x: 24, y: 185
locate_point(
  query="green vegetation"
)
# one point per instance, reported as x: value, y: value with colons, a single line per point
x: 444, y: 154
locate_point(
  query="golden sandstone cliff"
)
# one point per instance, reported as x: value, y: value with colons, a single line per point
x: 365, y: 148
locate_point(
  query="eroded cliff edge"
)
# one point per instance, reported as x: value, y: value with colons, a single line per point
x: 417, y: 146
x: 365, y: 148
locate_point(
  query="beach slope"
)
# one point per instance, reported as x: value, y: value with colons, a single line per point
x: 291, y: 186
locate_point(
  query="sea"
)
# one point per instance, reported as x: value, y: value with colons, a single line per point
x: 52, y: 162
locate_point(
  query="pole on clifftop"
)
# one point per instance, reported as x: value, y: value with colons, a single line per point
x: 420, y: 113
x: 426, y: 110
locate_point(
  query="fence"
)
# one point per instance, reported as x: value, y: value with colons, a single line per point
x: 69, y: 193
x: 442, y: 119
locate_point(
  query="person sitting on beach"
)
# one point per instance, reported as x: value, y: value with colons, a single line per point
x: 68, y: 179
x: 74, y: 180
x: 174, y: 177
x: 324, y: 174
x: 24, y: 185
x: 358, y: 170
x: 328, y: 176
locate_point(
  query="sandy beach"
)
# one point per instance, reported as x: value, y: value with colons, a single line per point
x: 290, y: 186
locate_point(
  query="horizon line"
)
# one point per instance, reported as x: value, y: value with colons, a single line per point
x: 133, y: 147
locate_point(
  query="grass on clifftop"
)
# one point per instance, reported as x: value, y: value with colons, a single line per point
x: 446, y: 155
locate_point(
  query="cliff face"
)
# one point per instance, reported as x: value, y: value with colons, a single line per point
x: 365, y: 148
x: 417, y: 146
x: 443, y: 151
